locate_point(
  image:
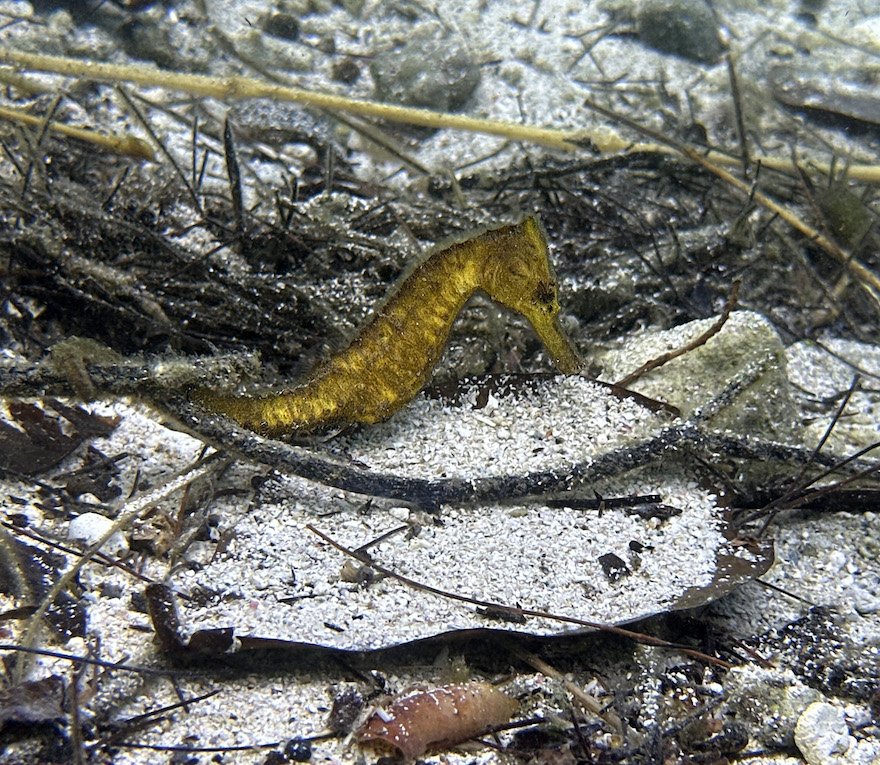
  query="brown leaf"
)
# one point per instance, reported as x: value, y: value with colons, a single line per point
x: 33, y: 701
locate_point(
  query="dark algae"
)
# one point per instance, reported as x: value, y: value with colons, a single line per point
x: 393, y: 356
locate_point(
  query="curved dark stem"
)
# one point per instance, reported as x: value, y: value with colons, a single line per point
x: 128, y: 378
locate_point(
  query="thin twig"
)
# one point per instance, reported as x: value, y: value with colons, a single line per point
x: 110, y: 665
x: 868, y: 470
x: 35, y: 146
x: 184, y: 748
x: 145, y: 124
x: 870, y: 282
x: 796, y: 487
x: 588, y: 702
x: 76, y: 735
x: 234, y: 175
x: 237, y: 88
x: 738, y: 111
x: 133, y: 724
x: 104, y: 560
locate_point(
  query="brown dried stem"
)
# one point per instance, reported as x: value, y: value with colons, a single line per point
x: 659, y: 361
x: 869, y: 281
x: 590, y: 703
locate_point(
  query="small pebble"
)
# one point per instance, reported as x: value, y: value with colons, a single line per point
x: 400, y: 513
x: 90, y: 527
x: 283, y: 25
x: 821, y: 733
x: 836, y: 560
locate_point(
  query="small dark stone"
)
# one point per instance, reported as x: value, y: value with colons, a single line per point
x: 438, y: 74
x: 439, y: 186
x: 138, y: 602
x: 183, y: 758
x: 613, y: 566
x: 346, y: 71
x: 298, y: 750
x: 808, y: 18
x: 848, y: 217
x: 282, y: 25
x: 346, y: 708
x: 734, y: 737
x: 697, y: 737
x: 685, y: 28
x: 149, y: 41
x: 327, y: 45
x: 530, y: 741
x: 111, y: 590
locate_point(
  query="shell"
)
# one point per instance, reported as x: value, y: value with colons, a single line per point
x: 440, y: 717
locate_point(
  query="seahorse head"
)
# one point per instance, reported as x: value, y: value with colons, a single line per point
x: 518, y: 274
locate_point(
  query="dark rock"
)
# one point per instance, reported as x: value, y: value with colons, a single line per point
x: 298, y: 750
x: 613, y: 566
x: 346, y: 71
x: 282, y: 25
x: 685, y: 28
x: 438, y: 74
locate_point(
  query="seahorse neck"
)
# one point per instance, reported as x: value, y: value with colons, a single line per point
x: 455, y: 272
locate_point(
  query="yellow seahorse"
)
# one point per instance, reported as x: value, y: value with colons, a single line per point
x: 392, y: 358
